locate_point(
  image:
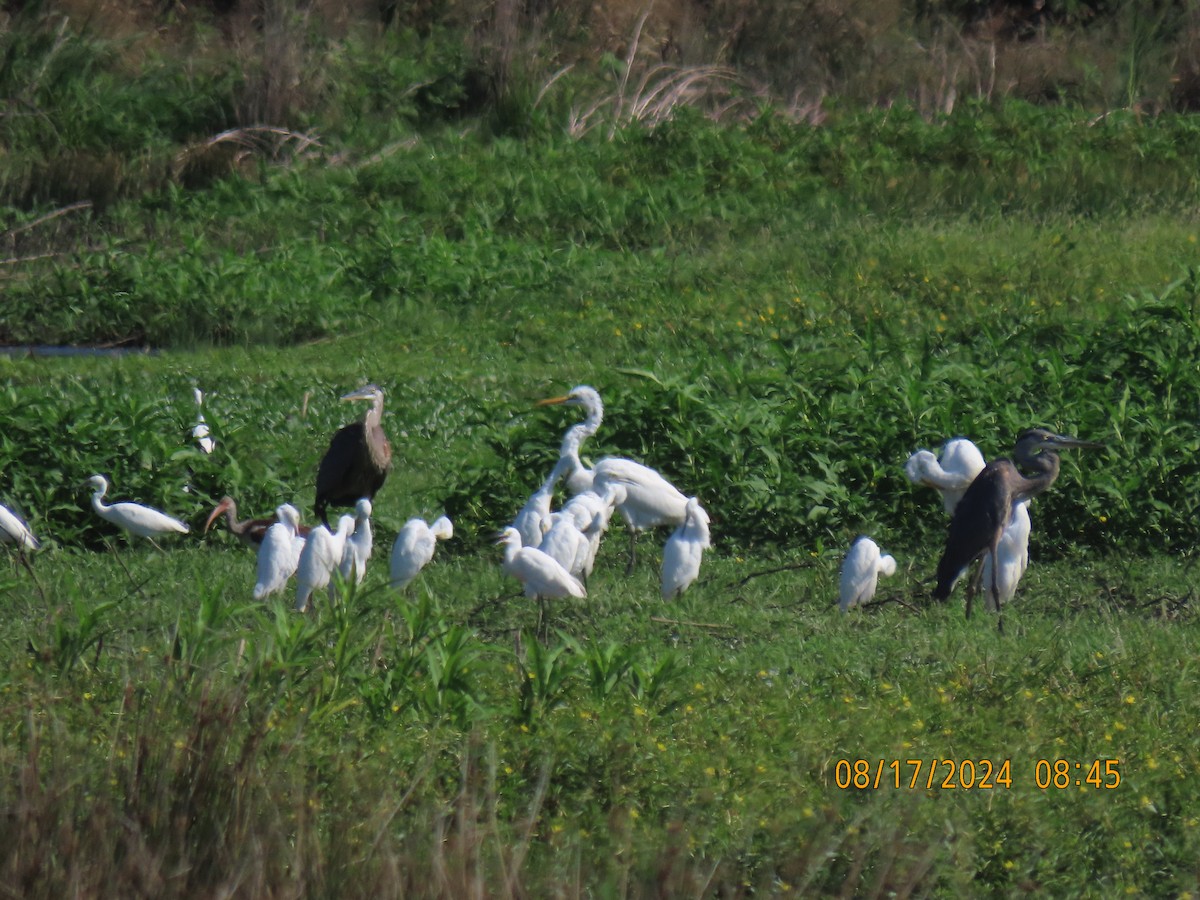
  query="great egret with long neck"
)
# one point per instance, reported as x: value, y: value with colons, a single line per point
x: 133, y: 517
x: 643, y: 497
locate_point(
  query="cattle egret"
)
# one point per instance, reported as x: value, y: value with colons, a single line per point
x: 414, y: 548
x: 358, y: 546
x: 279, y: 552
x: 860, y: 572
x: 320, y: 558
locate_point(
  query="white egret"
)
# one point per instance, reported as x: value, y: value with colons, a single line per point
x: 414, y: 548
x: 566, y: 544
x: 592, y: 515
x: 249, y: 531
x: 579, y: 477
x: 951, y: 474
x: 133, y: 517
x: 683, y: 550
x: 200, y: 431
x: 358, y: 459
x: 648, y: 499
x: 279, y: 552
x: 358, y: 545
x: 533, y: 519
x: 15, y: 531
x: 320, y: 559
x: 543, y: 578
x: 860, y: 572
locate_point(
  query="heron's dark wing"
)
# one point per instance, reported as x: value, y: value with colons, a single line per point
x: 349, y: 469
x: 981, y: 514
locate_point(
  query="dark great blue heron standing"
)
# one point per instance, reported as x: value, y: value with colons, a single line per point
x: 358, y: 459
x: 986, y: 509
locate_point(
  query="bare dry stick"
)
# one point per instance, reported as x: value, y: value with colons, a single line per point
x: 663, y: 621
x: 70, y: 208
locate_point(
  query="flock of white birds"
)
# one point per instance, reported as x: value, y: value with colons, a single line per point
x: 950, y: 474
x: 551, y: 552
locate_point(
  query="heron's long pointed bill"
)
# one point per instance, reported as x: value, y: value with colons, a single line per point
x: 363, y: 393
x: 553, y: 400
x: 1066, y: 442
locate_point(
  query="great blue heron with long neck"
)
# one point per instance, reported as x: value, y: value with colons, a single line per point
x: 358, y: 459
x: 985, y: 510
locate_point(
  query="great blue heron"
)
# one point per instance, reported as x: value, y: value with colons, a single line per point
x: 358, y: 459
x: 249, y: 531
x: 278, y: 553
x: 985, y: 510
x: 950, y: 474
x: 860, y: 573
x: 414, y: 548
x: 683, y: 551
x: 643, y: 497
x: 133, y: 517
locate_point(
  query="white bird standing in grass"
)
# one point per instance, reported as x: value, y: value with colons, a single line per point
x: 543, y: 578
x: 279, y: 552
x: 648, y: 499
x: 359, y: 545
x: 683, y: 550
x: 414, y: 548
x: 533, y: 519
x: 320, y: 558
x: 14, y: 531
x: 200, y: 431
x: 861, y: 570
x: 133, y: 517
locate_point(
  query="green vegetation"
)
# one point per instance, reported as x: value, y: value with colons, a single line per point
x: 776, y: 313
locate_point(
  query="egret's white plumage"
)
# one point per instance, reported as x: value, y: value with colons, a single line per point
x: 14, y: 531
x: 533, y: 519
x: 592, y: 514
x: 319, y: 560
x: 861, y: 570
x: 358, y: 545
x: 578, y: 476
x: 414, y: 548
x: 566, y: 544
x: 951, y: 474
x: 200, y: 431
x: 683, y: 550
x: 279, y: 553
x: 647, y: 500
x: 541, y: 575
x: 133, y: 517
x: 1013, y: 554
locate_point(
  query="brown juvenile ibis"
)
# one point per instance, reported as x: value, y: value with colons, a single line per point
x: 249, y: 531
x: 358, y: 459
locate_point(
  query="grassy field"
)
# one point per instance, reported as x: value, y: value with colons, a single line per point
x: 776, y: 317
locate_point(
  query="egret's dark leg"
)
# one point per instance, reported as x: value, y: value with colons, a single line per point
x: 632, y: 552
x: 28, y: 568
x: 973, y: 586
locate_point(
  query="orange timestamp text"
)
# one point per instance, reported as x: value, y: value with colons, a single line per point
x: 971, y: 774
